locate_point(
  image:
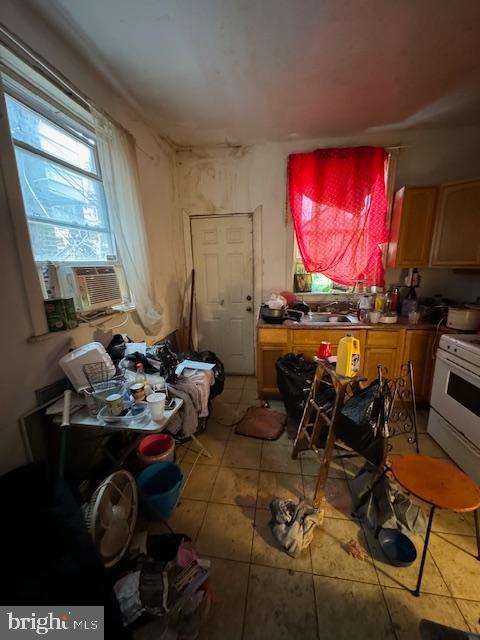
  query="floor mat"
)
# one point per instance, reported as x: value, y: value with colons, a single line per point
x: 261, y: 422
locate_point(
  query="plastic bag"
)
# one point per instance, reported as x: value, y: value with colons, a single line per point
x: 360, y: 424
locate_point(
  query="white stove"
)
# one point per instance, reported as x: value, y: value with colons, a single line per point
x: 454, y: 420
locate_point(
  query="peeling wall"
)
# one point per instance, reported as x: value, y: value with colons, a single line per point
x: 237, y: 180
x: 27, y: 366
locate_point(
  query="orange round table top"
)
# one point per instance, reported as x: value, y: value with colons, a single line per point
x: 437, y: 482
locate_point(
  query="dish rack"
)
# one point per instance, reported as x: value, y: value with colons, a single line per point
x: 103, y: 384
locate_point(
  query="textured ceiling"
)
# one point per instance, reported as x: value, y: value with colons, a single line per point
x: 207, y: 71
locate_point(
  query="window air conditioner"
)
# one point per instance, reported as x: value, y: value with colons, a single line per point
x: 92, y: 288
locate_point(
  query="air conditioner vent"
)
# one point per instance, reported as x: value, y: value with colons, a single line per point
x: 103, y: 288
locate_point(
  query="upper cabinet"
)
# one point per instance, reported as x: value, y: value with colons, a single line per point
x: 412, y: 227
x: 436, y: 226
x: 456, y: 242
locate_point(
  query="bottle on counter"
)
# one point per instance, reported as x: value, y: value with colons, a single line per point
x: 394, y: 300
x: 140, y: 377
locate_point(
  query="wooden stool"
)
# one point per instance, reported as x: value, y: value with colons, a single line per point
x: 441, y: 485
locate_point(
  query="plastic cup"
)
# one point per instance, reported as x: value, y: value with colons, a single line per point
x: 374, y: 316
x: 156, y: 403
x: 414, y: 317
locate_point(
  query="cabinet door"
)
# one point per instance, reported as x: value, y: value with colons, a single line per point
x: 388, y: 358
x: 418, y: 349
x: 267, y: 355
x: 457, y: 228
x: 412, y: 227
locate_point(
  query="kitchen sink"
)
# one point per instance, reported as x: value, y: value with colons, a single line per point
x: 318, y: 317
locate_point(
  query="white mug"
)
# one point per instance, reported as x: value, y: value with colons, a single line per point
x: 156, y: 403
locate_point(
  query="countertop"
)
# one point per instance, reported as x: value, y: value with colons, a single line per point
x: 350, y: 326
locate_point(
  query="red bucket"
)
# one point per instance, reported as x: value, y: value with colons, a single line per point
x: 157, y: 447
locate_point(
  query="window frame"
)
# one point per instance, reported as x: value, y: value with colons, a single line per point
x: 28, y: 96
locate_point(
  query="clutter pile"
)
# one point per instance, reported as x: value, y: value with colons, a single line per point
x: 165, y: 579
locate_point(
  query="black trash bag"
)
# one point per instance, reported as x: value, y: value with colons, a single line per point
x: 116, y: 347
x: 218, y: 369
x: 361, y: 421
x: 295, y: 375
x: 158, y: 358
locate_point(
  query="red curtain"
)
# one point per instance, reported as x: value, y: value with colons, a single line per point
x: 339, y: 207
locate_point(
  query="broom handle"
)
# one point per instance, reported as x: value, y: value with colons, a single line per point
x: 67, y: 396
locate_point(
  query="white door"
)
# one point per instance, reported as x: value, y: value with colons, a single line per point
x: 223, y: 262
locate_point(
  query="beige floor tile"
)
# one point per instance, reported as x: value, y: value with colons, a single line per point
x: 201, y: 481
x: 278, y: 459
x: 250, y: 383
x: 406, y: 577
x: 249, y: 396
x: 329, y: 554
x: 228, y: 582
x: 214, y: 446
x: 311, y: 464
x: 180, y: 451
x: 428, y: 447
x: 268, y: 551
x: 280, y: 605
x: 282, y: 441
x: 272, y: 485
x: 407, y: 611
x: 338, y: 498
x: 422, y: 420
x: 231, y: 395
x: 227, y: 532
x: 242, y: 453
x: 471, y: 613
x: 456, y: 559
x: 225, y: 413
x: 188, y: 517
x: 426, y: 444
x: 234, y: 382
x: 217, y: 430
x: 348, y: 610
x: 449, y: 522
x: 236, y: 486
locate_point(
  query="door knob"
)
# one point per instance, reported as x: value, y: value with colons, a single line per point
x: 249, y: 298
x: 249, y: 309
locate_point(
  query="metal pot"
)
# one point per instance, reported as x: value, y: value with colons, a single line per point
x: 272, y: 316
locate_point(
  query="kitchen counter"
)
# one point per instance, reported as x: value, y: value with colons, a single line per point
x: 401, y: 324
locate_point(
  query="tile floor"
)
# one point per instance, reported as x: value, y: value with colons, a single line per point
x: 261, y: 592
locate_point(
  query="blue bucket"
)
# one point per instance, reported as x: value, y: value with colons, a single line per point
x: 159, y: 485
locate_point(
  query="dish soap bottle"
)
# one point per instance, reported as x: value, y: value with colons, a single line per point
x: 348, y: 357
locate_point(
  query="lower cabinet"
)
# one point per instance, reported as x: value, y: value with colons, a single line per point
x: 383, y: 348
x: 419, y: 348
x: 389, y: 348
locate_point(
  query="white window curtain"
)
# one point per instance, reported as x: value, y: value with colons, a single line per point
x: 116, y: 150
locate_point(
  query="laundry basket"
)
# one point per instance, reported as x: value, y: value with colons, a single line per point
x: 159, y: 487
x: 157, y: 447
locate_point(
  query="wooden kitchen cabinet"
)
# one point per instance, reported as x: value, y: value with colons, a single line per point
x: 456, y: 241
x: 389, y: 347
x: 419, y: 347
x: 412, y: 226
x: 383, y: 348
x: 271, y: 345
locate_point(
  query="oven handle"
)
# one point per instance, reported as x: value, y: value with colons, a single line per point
x: 467, y: 374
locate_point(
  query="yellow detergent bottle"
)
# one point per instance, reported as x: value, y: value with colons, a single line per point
x: 348, y: 357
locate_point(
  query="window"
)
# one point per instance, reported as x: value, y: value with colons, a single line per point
x: 60, y: 180
x: 305, y: 282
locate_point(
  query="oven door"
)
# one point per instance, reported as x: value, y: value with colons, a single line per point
x: 456, y: 395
